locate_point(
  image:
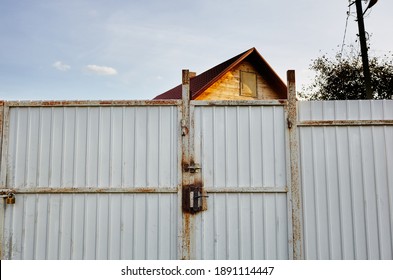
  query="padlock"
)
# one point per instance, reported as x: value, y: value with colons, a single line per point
x: 10, y: 199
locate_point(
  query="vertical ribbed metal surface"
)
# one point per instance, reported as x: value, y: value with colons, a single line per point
x: 106, y: 147
x: 242, y: 147
x: 243, y: 226
x: 100, y: 148
x: 345, y: 110
x: 91, y: 226
x: 346, y: 178
x: 347, y: 181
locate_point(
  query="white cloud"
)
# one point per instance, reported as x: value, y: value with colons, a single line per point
x: 101, y: 70
x: 61, y: 66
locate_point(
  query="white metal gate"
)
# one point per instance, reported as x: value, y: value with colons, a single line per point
x: 242, y: 152
x: 236, y: 179
x: 91, y: 180
x: 104, y: 181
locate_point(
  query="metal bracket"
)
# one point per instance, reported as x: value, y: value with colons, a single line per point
x: 6, y: 192
x: 192, y: 168
x: 184, y: 128
x: 289, y: 123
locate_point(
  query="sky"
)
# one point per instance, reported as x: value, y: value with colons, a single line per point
x: 136, y: 49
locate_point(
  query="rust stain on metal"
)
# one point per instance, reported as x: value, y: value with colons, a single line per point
x: 185, y: 77
x: 56, y: 103
x: 297, y: 230
x: 259, y: 102
x: 52, y: 103
x: 194, y: 198
x: 1, y: 127
x: 146, y: 190
x: 93, y: 103
x: 185, y: 131
x: 71, y: 190
x: 165, y: 102
x: 106, y: 102
x: 186, y: 236
x: 185, y: 152
x: 184, y: 165
x: 346, y: 123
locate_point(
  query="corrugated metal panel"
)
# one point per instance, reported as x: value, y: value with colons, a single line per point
x: 242, y: 147
x: 93, y: 148
x: 345, y: 110
x: 346, y: 181
x: 243, y: 226
x: 91, y: 226
x: 106, y: 147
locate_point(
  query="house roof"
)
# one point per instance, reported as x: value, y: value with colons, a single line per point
x: 203, y: 81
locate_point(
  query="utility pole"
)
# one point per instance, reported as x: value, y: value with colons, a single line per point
x: 363, y: 48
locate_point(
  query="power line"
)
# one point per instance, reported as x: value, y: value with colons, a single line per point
x: 345, y: 30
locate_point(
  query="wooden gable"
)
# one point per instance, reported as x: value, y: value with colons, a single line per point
x: 246, y: 76
x: 228, y: 86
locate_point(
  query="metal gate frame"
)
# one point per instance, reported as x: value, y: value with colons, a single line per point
x: 185, y: 165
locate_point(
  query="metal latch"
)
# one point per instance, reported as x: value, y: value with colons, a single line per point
x: 289, y: 123
x: 184, y: 128
x: 194, y: 199
x: 192, y: 168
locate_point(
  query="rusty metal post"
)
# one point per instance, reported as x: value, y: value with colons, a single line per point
x: 1, y: 126
x: 297, y: 214
x: 2, y: 201
x: 185, y: 129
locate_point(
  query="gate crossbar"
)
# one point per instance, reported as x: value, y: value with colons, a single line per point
x: 247, y: 190
x: 91, y: 190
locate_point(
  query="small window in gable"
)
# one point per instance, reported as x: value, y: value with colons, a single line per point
x: 248, y: 84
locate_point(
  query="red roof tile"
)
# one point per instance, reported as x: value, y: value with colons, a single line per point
x: 201, y: 82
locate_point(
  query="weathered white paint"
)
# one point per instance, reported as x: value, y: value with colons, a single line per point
x: 347, y: 182
x: 242, y: 148
x: 119, y: 170
x: 99, y: 151
x: 97, y: 147
x: 243, y: 226
x: 91, y: 226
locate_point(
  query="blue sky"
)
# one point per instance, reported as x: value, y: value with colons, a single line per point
x: 118, y: 49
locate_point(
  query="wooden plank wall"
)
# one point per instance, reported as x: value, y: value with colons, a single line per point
x: 228, y: 87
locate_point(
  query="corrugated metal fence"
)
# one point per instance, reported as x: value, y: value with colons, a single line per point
x: 346, y: 159
x: 104, y: 180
